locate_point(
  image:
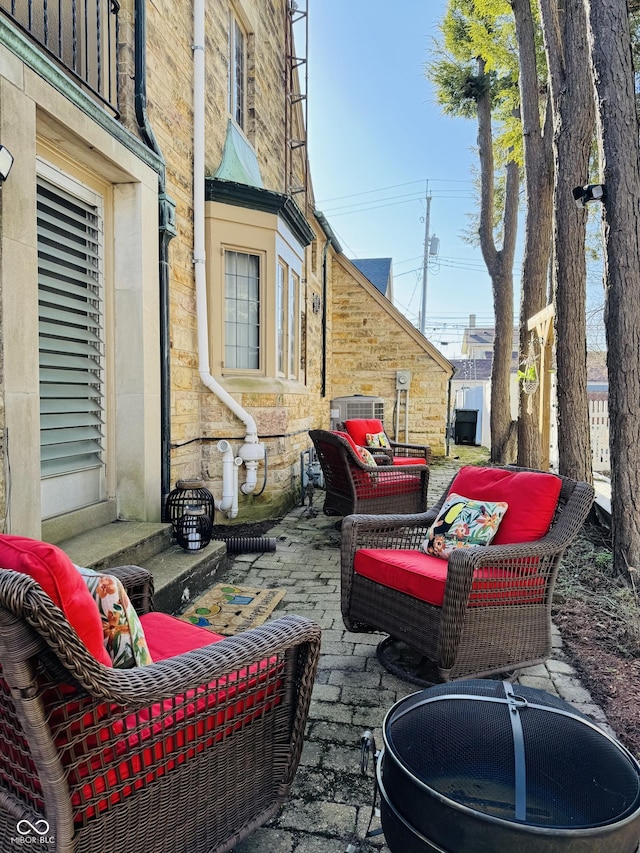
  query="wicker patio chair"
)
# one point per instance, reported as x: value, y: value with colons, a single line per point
x: 398, y: 453
x: 487, y: 610
x: 353, y: 487
x: 191, y: 753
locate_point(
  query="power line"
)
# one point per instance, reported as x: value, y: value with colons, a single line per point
x: 373, y: 207
x: 388, y: 198
x: 395, y: 186
x: 357, y: 207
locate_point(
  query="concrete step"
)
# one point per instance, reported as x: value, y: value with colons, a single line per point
x: 179, y: 576
x: 120, y: 543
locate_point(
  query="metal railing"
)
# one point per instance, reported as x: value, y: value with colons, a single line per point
x: 80, y: 35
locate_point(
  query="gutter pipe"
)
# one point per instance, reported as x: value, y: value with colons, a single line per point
x: 331, y: 240
x: 252, y: 451
x: 167, y: 232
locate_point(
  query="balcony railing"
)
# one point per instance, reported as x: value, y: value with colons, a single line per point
x: 80, y: 35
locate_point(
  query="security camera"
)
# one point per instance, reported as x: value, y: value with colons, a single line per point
x: 591, y: 192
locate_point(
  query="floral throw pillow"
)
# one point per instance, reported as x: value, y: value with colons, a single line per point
x: 124, y: 637
x: 377, y: 439
x: 463, y: 523
x: 366, y: 455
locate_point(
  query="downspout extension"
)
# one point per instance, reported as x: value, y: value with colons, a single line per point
x: 167, y: 231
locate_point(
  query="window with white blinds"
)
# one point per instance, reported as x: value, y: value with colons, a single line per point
x: 70, y: 269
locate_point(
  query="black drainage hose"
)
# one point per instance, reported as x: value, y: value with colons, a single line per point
x: 243, y: 544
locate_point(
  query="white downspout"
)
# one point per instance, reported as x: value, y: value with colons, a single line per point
x: 252, y: 450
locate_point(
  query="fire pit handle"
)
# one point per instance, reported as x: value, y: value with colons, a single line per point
x: 516, y: 704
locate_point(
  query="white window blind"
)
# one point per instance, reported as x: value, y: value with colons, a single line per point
x: 70, y: 331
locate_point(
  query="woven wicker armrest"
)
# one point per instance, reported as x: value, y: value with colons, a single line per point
x: 382, y: 531
x: 147, y: 684
x: 397, y: 471
x: 421, y: 451
x: 138, y: 583
x: 202, y: 666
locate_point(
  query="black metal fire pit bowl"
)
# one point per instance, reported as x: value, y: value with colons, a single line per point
x: 482, y: 766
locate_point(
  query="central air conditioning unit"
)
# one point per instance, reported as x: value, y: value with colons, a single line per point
x: 355, y: 406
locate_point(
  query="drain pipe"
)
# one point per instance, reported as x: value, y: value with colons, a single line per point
x: 252, y: 451
x: 331, y: 240
x: 167, y: 231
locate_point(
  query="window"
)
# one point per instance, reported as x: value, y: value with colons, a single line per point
x: 71, y: 338
x: 242, y: 310
x: 294, y: 298
x: 237, y: 71
x: 287, y: 344
x: 281, y: 317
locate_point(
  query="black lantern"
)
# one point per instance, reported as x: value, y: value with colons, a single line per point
x: 194, y: 528
x: 188, y: 493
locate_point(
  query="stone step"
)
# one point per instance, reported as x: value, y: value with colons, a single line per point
x: 179, y: 576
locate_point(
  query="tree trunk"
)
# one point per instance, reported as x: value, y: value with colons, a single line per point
x: 610, y: 49
x: 573, y: 137
x: 500, y: 267
x: 538, y: 171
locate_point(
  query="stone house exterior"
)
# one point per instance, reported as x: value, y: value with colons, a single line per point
x: 156, y: 327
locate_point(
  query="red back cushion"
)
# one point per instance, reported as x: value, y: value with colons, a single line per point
x: 532, y: 497
x: 349, y: 441
x: 62, y: 582
x: 359, y: 427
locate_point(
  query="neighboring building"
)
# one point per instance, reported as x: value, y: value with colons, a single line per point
x: 379, y: 272
x: 471, y: 383
x: 155, y: 327
x: 477, y: 341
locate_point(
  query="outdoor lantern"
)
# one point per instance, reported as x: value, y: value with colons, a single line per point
x: 194, y: 528
x: 188, y: 493
x: 6, y: 162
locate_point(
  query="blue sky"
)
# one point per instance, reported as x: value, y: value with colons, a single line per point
x: 376, y: 136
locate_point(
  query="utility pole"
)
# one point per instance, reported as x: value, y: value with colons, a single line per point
x: 425, y: 263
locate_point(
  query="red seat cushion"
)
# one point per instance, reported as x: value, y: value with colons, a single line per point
x: 168, y: 636
x: 412, y: 572
x: 359, y: 427
x: 53, y: 570
x: 424, y: 577
x: 532, y: 497
x: 408, y: 460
